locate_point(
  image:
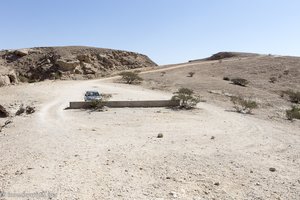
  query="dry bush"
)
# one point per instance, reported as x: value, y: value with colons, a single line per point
x: 130, y: 77
x: 100, y: 104
x: 273, y: 79
x: 191, y: 74
x: 294, y: 96
x: 293, y: 113
x: 163, y: 73
x: 240, y: 81
x: 225, y: 78
x: 242, y: 105
x: 186, y: 97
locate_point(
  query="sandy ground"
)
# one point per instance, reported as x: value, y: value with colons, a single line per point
x: 207, y: 153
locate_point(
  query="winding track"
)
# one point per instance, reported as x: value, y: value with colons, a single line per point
x: 115, y: 154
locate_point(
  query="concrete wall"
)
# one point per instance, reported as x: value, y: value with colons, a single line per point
x: 122, y: 104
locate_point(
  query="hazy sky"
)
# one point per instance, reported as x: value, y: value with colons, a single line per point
x: 168, y: 31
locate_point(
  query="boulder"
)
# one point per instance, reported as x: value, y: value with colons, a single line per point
x: 21, y: 52
x: 84, y: 58
x: 4, y: 80
x: 13, y: 77
x: 3, y: 112
x: 89, y: 69
x: 67, y: 65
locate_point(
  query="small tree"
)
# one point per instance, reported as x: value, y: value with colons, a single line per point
x: 293, y: 113
x: 186, y: 97
x: 242, y: 105
x: 131, y: 77
x: 191, y: 74
x: 240, y: 81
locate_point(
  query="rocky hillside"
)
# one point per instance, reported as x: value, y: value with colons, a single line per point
x: 38, y: 64
x: 227, y: 55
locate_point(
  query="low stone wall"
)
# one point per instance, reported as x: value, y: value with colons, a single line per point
x: 122, y: 104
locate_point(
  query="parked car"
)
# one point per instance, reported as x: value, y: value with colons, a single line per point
x: 92, y: 96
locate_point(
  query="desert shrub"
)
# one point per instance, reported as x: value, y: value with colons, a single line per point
x: 273, y: 79
x: 100, y: 104
x: 225, y: 78
x: 191, y: 74
x: 186, y: 97
x: 293, y: 113
x: 130, y: 77
x: 29, y: 110
x: 240, y: 81
x: 294, y: 96
x: 163, y: 73
x: 242, y: 105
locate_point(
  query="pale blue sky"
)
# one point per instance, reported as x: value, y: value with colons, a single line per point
x: 168, y: 31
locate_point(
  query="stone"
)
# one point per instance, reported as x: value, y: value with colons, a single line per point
x: 3, y: 112
x: 217, y: 183
x: 4, y: 80
x: 272, y: 169
x: 67, y: 65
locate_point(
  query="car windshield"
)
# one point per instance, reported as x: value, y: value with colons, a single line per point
x: 92, y: 94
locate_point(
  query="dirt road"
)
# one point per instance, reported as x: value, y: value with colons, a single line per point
x: 207, y: 153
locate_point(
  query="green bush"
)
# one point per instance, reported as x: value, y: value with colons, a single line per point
x: 293, y: 113
x: 240, y: 81
x: 186, y: 97
x: 130, y: 77
x: 242, y: 105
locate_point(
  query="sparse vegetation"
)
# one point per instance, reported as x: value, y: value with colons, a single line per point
x: 225, y: 78
x: 242, y: 105
x: 191, y: 74
x: 293, y: 113
x: 131, y: 77
x: 100, y: 104
x: 273, y: 79
x: 240, y: 81
x: 294, y: 96
x: 186, y: 97
x: 163, y: 73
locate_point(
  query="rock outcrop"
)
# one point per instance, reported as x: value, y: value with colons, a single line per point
x: 38, y: 64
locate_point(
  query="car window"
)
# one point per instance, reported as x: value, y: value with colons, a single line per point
x: 92, y: 94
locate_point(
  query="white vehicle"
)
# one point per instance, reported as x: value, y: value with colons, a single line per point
x: 92, y: 96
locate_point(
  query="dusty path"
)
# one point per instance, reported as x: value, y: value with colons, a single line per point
x: 115, y: 154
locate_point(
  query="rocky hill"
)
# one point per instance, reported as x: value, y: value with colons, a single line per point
x: 227, y: 55
x: 38, y: 64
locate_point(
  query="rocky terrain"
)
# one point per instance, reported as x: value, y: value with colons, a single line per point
x: 38, y: 64
x: 210, y: 152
